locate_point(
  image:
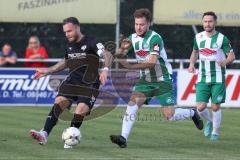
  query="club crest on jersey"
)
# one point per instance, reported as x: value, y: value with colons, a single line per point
x: 207, y: 52
x: 84, y: 47
x: 145, y: 46
x: 156, y: 47
x: 215, y: 46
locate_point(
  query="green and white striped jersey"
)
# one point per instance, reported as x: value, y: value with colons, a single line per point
x: 151, y: 43
x: 211, y: 50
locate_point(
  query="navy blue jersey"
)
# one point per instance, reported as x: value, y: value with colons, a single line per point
x: 82, y: 59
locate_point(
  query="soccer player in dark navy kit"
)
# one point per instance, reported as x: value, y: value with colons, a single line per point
x: 83, y: 81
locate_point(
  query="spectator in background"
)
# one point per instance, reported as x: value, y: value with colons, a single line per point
x: 35, y: 51
x: 7, y: 56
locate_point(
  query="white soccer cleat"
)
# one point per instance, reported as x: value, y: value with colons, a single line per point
x: 39, y: 136
x: 67, y: 146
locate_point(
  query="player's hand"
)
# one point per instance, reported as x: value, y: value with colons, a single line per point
x: 191, y: 69
x: 123, y: 50
x: 103, y: 77
x: 125, y: 44
x: 41, y: 72
x: 222, y: 63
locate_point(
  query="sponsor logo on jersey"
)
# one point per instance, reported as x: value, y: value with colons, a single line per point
x: 142, y: 53
x: 207, y: 51
x: 76, y: 55
x: 156, y: 47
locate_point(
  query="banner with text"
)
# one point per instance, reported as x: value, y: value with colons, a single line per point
x: 186, y: 91
x: 54, y: 11
x: 189, y: 12
x: 18, y: 88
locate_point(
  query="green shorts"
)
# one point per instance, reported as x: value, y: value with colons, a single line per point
x: 162, y: 90
x: 216, y: 91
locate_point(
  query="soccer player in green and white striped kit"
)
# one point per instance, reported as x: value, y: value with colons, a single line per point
x: 155, y: 77
x: 212, y: 47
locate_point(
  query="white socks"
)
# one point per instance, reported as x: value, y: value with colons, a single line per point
x: 216, y: 119
x: 182, y: 114
x: 128, y: 120
x: 205, y: 114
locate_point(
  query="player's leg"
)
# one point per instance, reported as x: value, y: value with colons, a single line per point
x: 60, y: 104
x: 216, y: 121
x: 136, y: 101
x: 81, y: 111
x: 203, y: 93
x: 218, y: 96
x: 175, y: 114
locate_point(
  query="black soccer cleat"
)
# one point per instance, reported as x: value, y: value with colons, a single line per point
x: 197, y: 120
x: 119, y: 140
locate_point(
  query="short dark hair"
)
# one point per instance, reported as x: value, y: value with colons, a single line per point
x: 143, y: 12
x: 210, y: 13
x: 72, y: 20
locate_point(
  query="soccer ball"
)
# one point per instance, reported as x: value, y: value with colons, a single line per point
x: 71, y: 136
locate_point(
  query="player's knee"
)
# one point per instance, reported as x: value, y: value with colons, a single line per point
x: 215, y: 107
x: 82, y: 109
x: 62, y: 102
x: 201, y: 106
x: 138, y: 99
x: 168, y: 115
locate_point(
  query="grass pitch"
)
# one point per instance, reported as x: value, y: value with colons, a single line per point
x: 151, y: 138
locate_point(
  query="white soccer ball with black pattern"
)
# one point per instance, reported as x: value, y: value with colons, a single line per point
x: 71, y: 136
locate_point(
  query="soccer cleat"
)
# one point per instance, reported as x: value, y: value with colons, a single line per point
x: 208, y: 129
x: 67, y: 146
x: 214, y: 137
x: 39, y: 136
x: 119, y: 140
x: 197, y: 120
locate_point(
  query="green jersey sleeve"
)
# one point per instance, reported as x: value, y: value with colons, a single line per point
x: 226, y: 46
x: 130, y: 49
x: 156, y: 44
x: 195, y: 46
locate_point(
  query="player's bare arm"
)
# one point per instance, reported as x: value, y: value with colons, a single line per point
x: 230, y: 58
x: 148, y: 64
x: 108, y: 58
x: 193, y: 60
x: 123, y: 50
x: 41, y: 72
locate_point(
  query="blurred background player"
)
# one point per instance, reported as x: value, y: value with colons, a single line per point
x: 212, y: 47
x: 7, y: 56
x: 155, y: 77
x: 35, y: 51
x: 82, y: 83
